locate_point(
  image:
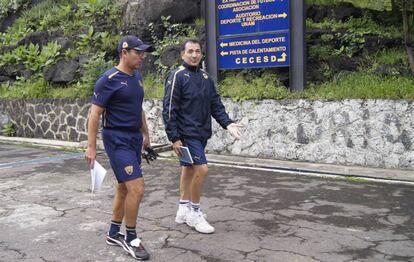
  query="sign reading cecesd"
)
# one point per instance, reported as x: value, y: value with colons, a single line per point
x: 251, y: 16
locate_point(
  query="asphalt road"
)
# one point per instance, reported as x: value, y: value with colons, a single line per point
x: 47, y: 213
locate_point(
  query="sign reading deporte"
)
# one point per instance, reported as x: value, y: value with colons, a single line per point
x: 267, y: 50
x: 252, y: 16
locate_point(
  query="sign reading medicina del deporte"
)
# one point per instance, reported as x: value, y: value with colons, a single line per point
x: 252, y: 33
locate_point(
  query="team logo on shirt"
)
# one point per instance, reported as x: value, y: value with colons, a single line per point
x: 124, y: 83
x: 129, y: 170
x: 205, y: 76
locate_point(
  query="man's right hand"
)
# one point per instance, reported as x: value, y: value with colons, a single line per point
x: 176, y: 147
x: 90, y: 156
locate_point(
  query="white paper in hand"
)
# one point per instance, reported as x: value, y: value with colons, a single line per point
x: 97, y: 176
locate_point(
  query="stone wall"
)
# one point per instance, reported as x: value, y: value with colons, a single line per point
x: 63, y: 119
x: 376, y: 133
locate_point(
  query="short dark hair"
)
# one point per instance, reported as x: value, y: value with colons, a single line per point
x: 191, y: 40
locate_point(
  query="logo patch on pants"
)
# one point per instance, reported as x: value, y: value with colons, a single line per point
x: 129, y: 170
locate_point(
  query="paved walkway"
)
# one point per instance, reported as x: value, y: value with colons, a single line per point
x: 47, y: 213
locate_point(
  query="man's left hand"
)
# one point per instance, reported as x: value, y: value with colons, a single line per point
x: 146, y: 143
x: 233, y: 128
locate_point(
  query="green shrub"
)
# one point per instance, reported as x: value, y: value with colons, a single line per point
x: 8, y: 130
x: 362, y: 85
x: 153, y: 87
x: 95, y: 66
x: 238, y: 88
x: 173, y: 34
x: 31, y: 56
x: 33, y: 88
x: 11, y: 6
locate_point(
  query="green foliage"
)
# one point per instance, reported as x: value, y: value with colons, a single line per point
x: 53, y: 16
x: 31, y: 56
x: 360, y: 26
x: 11, y: 6
x: 95, y: 66
x: 349, y: 35
x: 13, y: 35
x: 238, y: 88
x: 323, y: 52
x: 379, y: 5
x: 92, y: 41
x: 200, y: 22
x: 391, y: 57
x: 173, y: 34
x: 33, y: 88
x: 8, y: 130
x: 153, y: 86
x: 362, y: 85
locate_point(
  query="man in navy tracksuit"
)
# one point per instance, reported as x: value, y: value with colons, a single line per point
x: 118, y: 97
x: 190, y: 101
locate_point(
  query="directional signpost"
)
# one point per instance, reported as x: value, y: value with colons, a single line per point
x: 256, y: 34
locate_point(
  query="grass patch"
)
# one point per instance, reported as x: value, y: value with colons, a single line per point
x: 362, y: 86
x: 239, y: 88
x: 153, y: 87
x: 349, y: 85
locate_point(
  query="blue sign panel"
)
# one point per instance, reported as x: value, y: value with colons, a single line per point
x: 266, y: 50
x: 252, y: 16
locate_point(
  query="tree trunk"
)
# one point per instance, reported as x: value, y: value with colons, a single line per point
x: 407, y: 39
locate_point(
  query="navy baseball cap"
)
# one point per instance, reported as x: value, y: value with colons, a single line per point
x: 132, y: 42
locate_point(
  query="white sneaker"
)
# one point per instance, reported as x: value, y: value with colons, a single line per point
x: 182, y: 214
x: 198, y: 222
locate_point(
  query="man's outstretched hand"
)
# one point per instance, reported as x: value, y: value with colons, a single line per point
x: 149, y: 154
x: 234, y: 130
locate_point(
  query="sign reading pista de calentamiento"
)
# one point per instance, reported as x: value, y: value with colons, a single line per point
x: 252, y: 33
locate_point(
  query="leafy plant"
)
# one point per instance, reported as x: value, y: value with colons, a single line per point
x: 8, y: 129
x: 239, y: 89
x: 153, y: 86
x: 173, y: 34
x: 23, y: 88
x: 31, y: 56
x: 95, y: 66
x: 11, y: 6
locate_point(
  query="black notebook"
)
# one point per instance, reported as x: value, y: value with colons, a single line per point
x: 185, y: 155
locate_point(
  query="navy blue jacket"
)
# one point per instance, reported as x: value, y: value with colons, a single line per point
x: 190, y: 101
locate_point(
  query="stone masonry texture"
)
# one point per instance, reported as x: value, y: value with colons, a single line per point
x: 376, y: 133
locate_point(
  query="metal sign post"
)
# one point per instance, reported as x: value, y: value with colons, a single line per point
x: 211, y: 38
x: 257, y: 34
x: 297, y: 71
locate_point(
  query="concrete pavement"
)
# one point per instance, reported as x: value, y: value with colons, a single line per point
x: 47, y: 213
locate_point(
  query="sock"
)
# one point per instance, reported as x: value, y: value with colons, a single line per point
x: 183, y: 203
x: 114, y: 228
x: 195, y: 207
x: 131, y: 234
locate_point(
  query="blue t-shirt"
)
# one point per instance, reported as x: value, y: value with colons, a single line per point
x: 121, y: 95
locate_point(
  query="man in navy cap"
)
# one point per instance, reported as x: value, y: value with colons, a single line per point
x: 118, y: 97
